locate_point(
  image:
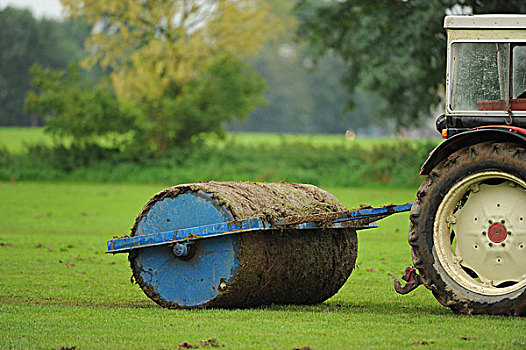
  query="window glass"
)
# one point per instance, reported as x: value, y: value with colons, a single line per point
x: 479, y: 76
x: 519, y: 72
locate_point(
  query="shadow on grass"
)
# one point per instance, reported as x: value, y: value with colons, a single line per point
x: 369, y: 308
x: 386, y: 308
x: 331, y: 308
x: 78, y: 302
x: 344, y: 308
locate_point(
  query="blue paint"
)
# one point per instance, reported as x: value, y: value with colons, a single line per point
x: 192, y: 282
x: 360, y: 214
x: 121, y: 245
x: 159, y: 236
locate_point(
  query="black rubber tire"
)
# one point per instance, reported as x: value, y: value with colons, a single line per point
x: 504, y: 157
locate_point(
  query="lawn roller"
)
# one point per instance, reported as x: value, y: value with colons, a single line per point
x: 244, y: 244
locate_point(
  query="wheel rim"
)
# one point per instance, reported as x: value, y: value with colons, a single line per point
x: 480, y: 233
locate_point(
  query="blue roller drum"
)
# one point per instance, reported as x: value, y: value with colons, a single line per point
x: 242, y: 269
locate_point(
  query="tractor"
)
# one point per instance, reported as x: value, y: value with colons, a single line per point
x: 468, y: 222
x: 244, y: 244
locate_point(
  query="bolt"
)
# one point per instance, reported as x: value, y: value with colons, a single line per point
x: 503, y: 244
x: 180, y: 249
x: 483, y: 233
x: 476, y: 246
x: 521, y: 246
x: 502, y: 221
x: 499, y: 260
x: 451, y: 219
x: 490, y: 221
x: 490, y: 244
x: 222, y: 286
x: 488, y: 283
x: 474, y: 188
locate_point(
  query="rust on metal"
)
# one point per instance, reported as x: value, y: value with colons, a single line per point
x: 412, y: 279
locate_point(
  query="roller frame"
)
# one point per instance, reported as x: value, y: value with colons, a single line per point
x: 360, y: 219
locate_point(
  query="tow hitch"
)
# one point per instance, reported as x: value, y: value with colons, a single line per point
x: 412, y: 279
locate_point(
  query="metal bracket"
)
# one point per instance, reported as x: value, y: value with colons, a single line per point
x: 411, y: 277
x: 359, y: 219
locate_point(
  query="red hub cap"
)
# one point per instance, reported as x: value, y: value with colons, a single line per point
x: 497, y: 233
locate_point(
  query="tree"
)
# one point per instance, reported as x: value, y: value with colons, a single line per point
x: 168, y: 59
x: 394, y: 48
x: 25, y: 41
x: 69, y: 95
x: 305, y: 96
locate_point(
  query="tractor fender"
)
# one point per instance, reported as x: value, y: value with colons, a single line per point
x: 497, y: 133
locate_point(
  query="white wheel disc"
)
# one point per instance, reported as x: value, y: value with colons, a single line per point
x: 480, y: 233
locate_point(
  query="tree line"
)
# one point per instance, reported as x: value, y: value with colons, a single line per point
x: 25, y: 41
x: 160, y: 74
x: 298, y: 94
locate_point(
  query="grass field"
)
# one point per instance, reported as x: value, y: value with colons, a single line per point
x: 329, y: 160
x: 17, y: 140
x: 58, y: 288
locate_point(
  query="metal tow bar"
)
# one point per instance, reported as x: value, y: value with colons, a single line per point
x: 360, y: 219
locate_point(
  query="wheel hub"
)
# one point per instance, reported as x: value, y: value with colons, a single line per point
x: 482, y: 229
x: 497, y: 233
x: 480, y: 232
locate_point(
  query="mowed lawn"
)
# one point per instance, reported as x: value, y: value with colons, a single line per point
x: 58, y: 289
x: 18, y: 140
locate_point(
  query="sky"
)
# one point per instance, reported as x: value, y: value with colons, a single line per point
x: 39, y: 8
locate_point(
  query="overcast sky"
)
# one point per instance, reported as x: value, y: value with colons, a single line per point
x: 40, y: 8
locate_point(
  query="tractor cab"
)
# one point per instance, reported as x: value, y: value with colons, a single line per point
x: 486, y: 72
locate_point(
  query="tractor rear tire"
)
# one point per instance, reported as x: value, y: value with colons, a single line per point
x: 468, y: 230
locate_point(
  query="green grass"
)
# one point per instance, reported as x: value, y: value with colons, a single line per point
x: 17, y: 140
x: 320, y: 140
x: 328, y: 160
x: 59, y: 289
